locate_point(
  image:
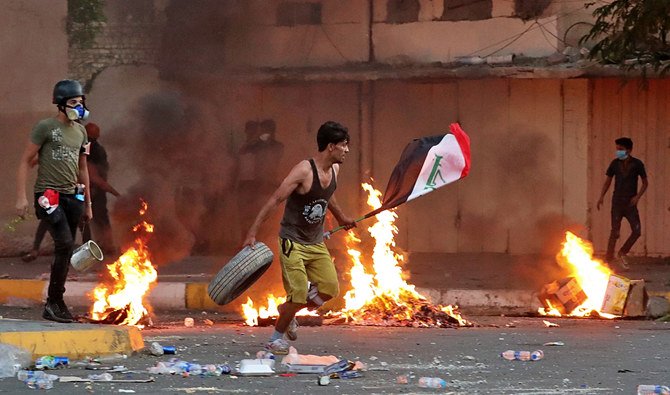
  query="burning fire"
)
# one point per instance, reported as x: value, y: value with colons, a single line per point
x: 590, y: 273
x: 252, y: 315
x: 121, y: 303
x: 385, y: 297
x: 382, y: 298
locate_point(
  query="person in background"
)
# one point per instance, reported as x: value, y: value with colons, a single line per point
x: 98, y: 170
x: 625, y: 170
x: 61, y: 146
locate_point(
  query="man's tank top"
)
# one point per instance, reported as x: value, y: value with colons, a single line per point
x: 304, y: 214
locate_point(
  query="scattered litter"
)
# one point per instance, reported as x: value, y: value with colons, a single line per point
x: 559, y: 343
x: 101, y: 377
x: 51, y: 362
x: 647, y: 389
x: 208, y: 322
x: 76, y: 379
x: 156, y: 349
x: 126, y: 391
x: 625, y: 371
x: 432, y: 382
x: 256, y: 367
x: 188, y: 322
x: 13, y: 359
x: 373, y: 358
x: 324, y: 380
x: 512, y: 355
x: 550, y: 324
x: 287, y: 375
x: 402, y: 379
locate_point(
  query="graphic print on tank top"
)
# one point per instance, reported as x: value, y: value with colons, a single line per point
x: 315, y: 210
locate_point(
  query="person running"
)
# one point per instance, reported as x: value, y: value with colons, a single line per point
x: 308, y: 191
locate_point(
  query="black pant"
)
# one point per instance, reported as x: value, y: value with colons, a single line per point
x: 62, y: 226
x: 622, y: 209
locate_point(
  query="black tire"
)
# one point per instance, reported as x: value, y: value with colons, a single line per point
x: 241, y: 272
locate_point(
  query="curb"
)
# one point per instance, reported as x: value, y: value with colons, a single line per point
x: 74, y: 341
x: 182, y: 295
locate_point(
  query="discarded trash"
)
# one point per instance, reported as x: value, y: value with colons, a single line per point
x: 13, y: 359
x: 646, y: 389
x: 188, y: 322
x: 550, y: 324
x: 294, y: 358
x: 24, y: 375
x: 337, y: 367
x: 101, y: 377
x: 265, y: 355
x: 324, y: 380
x: 169, y: 350
x: 348, y: 374
x: 156, y: 349
x: 512, y: 355
x: 208, y: 322
x: 287, y: 375
x: 126, y: 391
x: 256, y: 367
x: 554, y: 344
x: 51, y: 362
x: 402, y: 379
x: 42, y: 383
x: 432, y: 382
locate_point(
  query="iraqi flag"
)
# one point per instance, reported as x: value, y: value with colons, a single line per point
x: 426, y: 164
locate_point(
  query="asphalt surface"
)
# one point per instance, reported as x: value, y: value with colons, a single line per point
x: 598, y: 357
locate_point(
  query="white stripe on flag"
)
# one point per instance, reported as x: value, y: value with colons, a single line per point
x: 443, y: 165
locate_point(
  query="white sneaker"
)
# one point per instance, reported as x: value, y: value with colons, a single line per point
x: 278, y: 347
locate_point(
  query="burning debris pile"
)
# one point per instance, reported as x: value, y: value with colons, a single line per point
x: 120, y: 302
x: 381, y: 298
x: 592, y: 290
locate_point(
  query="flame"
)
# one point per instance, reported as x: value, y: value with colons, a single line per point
x: 252, y: 314
x: 133, y: 274
x: 374, y: 297
x: 591, y: 275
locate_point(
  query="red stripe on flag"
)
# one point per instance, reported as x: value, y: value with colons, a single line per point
x: 464, y: 143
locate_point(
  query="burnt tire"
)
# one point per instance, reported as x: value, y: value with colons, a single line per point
x: 241, y: 272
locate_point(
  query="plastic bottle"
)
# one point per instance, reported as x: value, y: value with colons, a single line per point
x: 42, y: 383
x: 50, y: 362
x: 13, y: 359
x: 101, y: 377
x: 512, y: 355
x: 24, y: 375
x: 647, y: 389
x: 432, y: 382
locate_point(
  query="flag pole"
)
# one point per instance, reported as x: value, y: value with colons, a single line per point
x: 326, y: 235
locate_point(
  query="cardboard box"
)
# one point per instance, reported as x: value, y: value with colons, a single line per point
x: 615, y: 295
x: 636, y: 304
x: 565, y: 295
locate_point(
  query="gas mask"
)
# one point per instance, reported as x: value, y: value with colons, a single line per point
x: 621, y: 154
x: 78, y: 112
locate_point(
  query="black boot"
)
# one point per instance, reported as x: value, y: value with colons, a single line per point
x: 53, y: 312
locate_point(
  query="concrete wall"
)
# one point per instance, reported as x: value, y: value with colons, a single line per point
x: 643, y: 115
x: 256, y: 37
x: 33, y: 57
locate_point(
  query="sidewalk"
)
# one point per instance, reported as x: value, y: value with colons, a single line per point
x: 478, y: 283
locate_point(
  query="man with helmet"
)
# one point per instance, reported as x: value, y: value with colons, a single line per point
x: 61, y: 145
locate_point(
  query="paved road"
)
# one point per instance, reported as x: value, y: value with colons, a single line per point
x: 599, y: 357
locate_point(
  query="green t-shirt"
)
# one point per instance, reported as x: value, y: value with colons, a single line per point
x: 60, y: 147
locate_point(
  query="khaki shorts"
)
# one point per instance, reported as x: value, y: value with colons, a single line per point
x: 301, y: 263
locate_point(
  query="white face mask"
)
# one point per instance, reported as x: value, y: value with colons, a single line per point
x: 264, y: 137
